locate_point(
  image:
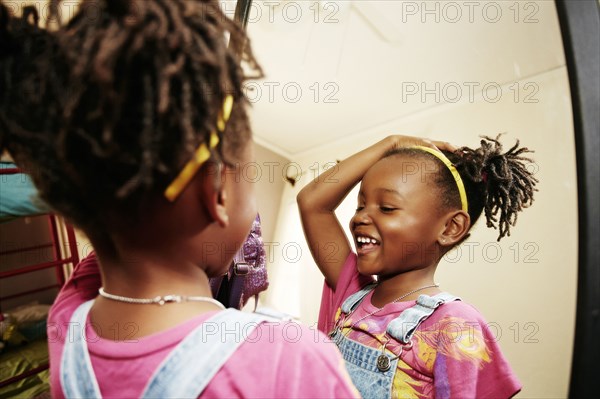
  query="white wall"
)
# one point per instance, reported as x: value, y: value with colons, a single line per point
x: 269, y: 189
x: 526, y: 284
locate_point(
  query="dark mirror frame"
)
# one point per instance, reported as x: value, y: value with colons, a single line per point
x: 580, y: 27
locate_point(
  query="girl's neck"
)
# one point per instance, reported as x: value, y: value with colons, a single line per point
x: 390, y: 288
x: 141, y: 276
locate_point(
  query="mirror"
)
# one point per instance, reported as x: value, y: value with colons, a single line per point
x: 341, y: 75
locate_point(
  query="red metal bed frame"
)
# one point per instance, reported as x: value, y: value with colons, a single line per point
x: 57, y: 264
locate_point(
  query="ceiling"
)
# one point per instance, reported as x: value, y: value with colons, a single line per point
x: 340, y: 68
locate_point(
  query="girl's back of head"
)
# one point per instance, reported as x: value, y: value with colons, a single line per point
x: 105, y: 110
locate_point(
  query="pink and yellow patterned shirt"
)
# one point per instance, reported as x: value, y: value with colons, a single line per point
x: 454, y: 353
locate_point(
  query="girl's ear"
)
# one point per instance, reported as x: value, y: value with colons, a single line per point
x: 215, y: 196
x: 456, y: 229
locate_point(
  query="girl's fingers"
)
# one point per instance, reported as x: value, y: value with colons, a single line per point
x: 444, y: 146
x: 408, y: 141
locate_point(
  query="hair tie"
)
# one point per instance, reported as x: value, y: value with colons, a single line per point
x: 484, y: 176
x: 201, y: 155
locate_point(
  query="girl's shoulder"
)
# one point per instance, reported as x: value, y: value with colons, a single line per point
x: 458, y: 325
x: 291, y: 337
x: 458, y: 311
x: 290, y: 342
x: 284, y: 355
x: 272, y: 333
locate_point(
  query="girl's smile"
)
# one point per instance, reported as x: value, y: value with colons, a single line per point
x: 366, y: 244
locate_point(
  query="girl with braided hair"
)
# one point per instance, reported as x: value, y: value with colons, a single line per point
x: 400, y: 335
x: 132, y: 118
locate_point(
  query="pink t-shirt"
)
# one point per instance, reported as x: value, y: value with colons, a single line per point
x: 454, y: 353
x: 277, y: 360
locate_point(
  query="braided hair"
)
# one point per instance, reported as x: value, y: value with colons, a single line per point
x: 106, y: 109
x: 498, y: 184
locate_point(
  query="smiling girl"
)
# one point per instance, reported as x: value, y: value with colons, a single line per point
x: 402, y: 336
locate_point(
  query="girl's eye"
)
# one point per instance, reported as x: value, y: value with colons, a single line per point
x: 386, y: 209
x: 359, y: 208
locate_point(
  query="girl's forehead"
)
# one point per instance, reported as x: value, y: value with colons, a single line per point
x: 403, y: 178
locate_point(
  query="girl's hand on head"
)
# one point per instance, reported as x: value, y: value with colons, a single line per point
x: 318, y: 200
x: 400, y: 141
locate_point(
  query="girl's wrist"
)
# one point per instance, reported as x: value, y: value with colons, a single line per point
x: 399, y: 141
x: 391, y: 143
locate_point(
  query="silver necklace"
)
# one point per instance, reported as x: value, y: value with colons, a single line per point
x: 394, y: 301
x: 160, y: 300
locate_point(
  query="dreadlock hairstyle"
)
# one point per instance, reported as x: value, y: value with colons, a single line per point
x: 498, y: 184
x: 106, y: 109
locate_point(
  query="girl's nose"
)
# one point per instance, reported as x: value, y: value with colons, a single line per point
x: 361, y: 217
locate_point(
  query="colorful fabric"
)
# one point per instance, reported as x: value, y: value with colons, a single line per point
x: 278, y: 360
x: 454, y: 353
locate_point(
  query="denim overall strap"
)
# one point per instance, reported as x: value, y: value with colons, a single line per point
x: 76, y: 374
x: 353, y: 300
x: 361, y: 360
x: 361, y: 364
x: 404, y: 326
x: 189, y: 368
x: 184, y: 373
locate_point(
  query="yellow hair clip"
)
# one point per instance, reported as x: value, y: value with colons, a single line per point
x: 459, y: 183
x: 201, y: 155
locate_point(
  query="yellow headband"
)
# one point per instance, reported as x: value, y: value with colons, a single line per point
x: 201, y: 154
x: 459, y: 183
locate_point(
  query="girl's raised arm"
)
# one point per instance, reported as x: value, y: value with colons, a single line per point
x: 319, y: 199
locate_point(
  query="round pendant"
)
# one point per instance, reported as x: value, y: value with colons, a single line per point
x: 383, y: 363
